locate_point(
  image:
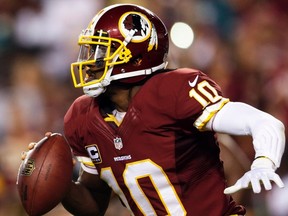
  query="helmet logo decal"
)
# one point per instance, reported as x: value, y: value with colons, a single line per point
x: 135, y: 25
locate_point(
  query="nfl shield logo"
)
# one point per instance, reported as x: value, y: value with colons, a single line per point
x: 118, y: 143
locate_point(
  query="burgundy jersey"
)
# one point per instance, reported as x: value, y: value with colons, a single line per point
x: 158, y: 160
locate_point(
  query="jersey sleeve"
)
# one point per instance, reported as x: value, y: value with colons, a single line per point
x: 199, y: 99
x: 73, y: 127
x: 72, y: 120
x: 87, y: 165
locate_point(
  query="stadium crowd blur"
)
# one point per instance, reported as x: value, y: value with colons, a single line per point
x: 241, y: 44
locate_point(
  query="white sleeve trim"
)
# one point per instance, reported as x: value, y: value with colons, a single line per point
x: 87, y: 165
x: 208, y: 113
x: 268, y: 133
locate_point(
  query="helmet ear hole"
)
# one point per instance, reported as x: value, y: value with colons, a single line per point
x: 137, y: 61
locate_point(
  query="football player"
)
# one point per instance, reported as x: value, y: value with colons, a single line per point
x: 146, y: 132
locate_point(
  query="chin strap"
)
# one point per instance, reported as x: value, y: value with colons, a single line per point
x: 139, y: 72
x: 94, y: 90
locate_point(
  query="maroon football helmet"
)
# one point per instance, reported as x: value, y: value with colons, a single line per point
x: 123, y: 42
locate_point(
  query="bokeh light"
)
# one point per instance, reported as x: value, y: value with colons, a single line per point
x: 182, y: 35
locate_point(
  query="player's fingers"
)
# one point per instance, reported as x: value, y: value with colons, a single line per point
x: 23, y: 155
x: 47, y: 134
x: 255, y: 183
x: 266, y: 182
x: 278, y: 180
x: 31, y: 145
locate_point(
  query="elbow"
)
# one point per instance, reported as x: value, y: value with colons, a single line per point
x: 278, y: 125
x: 78, y: 201
x: 281, y: 126
x: 272, y: 121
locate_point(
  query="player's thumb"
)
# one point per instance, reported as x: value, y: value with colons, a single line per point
x: 232, y: 189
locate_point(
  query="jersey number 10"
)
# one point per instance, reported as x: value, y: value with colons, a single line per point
x: 162, y: 185
x: 209, y: 96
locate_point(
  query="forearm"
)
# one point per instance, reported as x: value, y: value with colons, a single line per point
x: 79, y: 201
x: 241, y: 119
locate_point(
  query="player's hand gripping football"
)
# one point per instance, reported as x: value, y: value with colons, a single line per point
x: 47, y: 164
x: 262, y: 172
x: 32, y: 145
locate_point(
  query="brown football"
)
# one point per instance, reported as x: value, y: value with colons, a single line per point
x: 45, y: 175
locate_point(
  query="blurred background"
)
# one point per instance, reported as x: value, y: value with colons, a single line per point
x: 241, y: 44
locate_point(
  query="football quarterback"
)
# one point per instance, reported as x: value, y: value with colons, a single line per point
x: 147, y: 132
